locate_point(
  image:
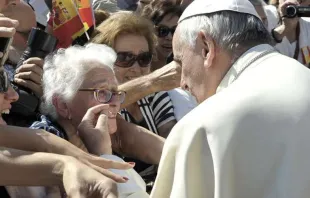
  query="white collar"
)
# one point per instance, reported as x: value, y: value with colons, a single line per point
x: 242, y: 63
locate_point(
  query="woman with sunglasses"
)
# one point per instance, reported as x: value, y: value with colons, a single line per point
x: 165, y: 16
x: 80, y: 90
x: 133, y: 39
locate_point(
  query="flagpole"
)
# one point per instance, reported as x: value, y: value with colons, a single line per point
x: 77, y: 10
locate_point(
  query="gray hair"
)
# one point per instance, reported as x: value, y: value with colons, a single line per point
x: 64, y: 72
x: 232, y: 31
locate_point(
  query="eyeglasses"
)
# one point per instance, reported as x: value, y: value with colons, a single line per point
x: 106, y: 96
x: 163, y: 31
x: 127, y: 59
x: 4, y: 82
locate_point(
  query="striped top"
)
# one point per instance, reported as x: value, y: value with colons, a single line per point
x: 157, y: 110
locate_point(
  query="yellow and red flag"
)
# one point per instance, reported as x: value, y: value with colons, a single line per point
x: 67, y: 24
x: 86, y: 13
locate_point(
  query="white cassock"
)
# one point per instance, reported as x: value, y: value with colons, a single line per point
x: 250, y: 140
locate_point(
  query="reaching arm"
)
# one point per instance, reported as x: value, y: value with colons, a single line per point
x: 42, y: 141
x: 163, y: 79
x: 26, y: 168
x: 33, y: 140
x: 135, y: 141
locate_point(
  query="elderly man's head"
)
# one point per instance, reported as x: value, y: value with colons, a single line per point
x: 207, y: 45
x: 23, y: 13
x: 78, y: 78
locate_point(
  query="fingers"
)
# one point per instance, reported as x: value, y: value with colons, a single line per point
x: 29, y: 75
x: 33, y: 65
x: 7, y: 26
x: 102, y: 122
x: 109, y: 174
x: 93, y: 112
x: 105, y: 163
x: 36, y: 88
x: 35, y: 60
x: 285, y: 4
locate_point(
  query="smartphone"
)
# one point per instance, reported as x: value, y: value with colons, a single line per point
x: 5, y: 43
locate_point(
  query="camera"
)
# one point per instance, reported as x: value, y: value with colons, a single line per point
x: 293, y: 11
x: 39, y: 44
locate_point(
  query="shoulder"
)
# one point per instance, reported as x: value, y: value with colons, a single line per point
x: 48, y: 125
x: 158, y: 96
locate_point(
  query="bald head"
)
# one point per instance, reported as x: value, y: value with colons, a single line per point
x: 23, y: 13
x: 26, y: 17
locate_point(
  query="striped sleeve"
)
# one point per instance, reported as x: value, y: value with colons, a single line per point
x: 162, y: 107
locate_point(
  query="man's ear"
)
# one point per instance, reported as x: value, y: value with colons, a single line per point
x: 208, y: 49
x: 61, y: 107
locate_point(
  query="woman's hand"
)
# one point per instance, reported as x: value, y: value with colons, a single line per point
x: 82, y: 181
x: 30, y: 75
x: 288, y: 22
x: 94, y: 130
x: 7, y: 28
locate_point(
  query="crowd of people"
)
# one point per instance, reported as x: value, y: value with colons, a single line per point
x: 166, y: 98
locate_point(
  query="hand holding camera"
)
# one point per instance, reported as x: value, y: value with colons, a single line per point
x: 288, y: 21
x: 29, y: 75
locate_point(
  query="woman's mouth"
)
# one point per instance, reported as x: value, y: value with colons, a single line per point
x: 6, y: 111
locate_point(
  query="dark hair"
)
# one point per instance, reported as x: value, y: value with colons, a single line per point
x: 100, y: 16
x: 157, y: 10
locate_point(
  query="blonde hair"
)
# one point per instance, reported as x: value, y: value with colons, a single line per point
x: 125, y: 23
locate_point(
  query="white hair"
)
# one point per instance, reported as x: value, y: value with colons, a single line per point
x: 64, y: 72
x: 231, y: 31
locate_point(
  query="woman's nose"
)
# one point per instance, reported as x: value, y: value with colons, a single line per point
x: 115, y: 103
x: 11, y: 95
x: 136, y: 68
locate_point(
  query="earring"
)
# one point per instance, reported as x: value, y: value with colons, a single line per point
x: 69, y: 117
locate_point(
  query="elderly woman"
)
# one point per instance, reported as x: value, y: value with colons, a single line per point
x: 79, y: 83
x: 133, y: 39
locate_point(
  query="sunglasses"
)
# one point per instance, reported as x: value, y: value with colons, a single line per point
x: 163, y: 31
x: 106, y: 96
x: 127, y: 59
x: 4, y: 82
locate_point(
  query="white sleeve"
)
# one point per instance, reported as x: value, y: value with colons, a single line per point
x: 285, y: 47
x: 135, y: 187
x: 182, y: 101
